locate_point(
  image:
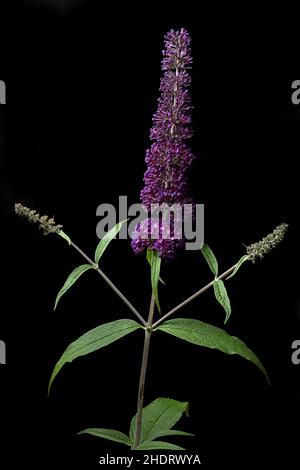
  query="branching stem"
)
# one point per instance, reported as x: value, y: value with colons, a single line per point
x: 192, y: 297
x: 110, y: 283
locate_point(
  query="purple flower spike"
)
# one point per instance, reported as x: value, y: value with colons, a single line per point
x: 169, y: 156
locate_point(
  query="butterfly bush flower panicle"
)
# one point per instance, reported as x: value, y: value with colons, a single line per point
x: 45, y: 223
x: 169, y: 157
x: 261, y: 248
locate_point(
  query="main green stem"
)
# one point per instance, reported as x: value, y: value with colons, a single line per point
x: 140, y: 402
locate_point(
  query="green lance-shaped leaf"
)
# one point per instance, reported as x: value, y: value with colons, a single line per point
x: 158, y: 445
x: 158, y: 418
x: 93, y: 340
x: 211, y: 259
x: 149, y: 257
x: 109, y: 434
x: 222, y: 297
x: 238, y: 265
x: 173, y: 432
x: 74, y: 276
x: 209, y: 336
x: 105, y: 241
x: 155, y: 263
x: 65, y: 236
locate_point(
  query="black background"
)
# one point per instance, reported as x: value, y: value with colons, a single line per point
x: 82, y: 84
